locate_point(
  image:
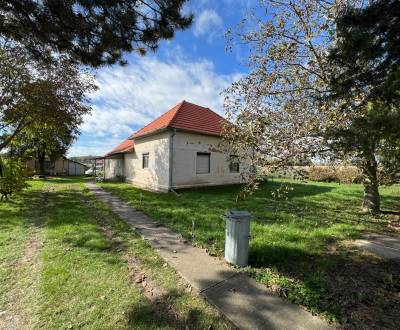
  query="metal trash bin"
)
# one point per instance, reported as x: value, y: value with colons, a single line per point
x: 237, y: 234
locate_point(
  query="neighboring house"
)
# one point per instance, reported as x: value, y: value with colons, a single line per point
x: 61, y: 166
x: 180, y: 149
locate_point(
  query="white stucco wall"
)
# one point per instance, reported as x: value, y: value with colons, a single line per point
x: 185, y: 149
x: 157, y: 175
x: 75, y: 168
x: 114, y: 168
x: 186, y: 146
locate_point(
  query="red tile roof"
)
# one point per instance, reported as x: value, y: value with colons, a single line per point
x: 186, y: 116
x: 125, y: 146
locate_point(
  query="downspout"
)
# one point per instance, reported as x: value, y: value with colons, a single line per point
x: 171, y: 158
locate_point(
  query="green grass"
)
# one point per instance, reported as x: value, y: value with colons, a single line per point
x: 298, y: 245
x: 67, y: 261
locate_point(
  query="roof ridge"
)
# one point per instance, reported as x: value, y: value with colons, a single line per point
x: 223, y: 118
x: 155, y: 119
x: 176, y: 112
x: 185, y: 115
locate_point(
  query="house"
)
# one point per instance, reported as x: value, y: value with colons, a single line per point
x: 61, y: 166
x: 179, y: 149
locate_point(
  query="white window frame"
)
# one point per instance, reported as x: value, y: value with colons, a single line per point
x: 234, y: 160
x: 145, y: 155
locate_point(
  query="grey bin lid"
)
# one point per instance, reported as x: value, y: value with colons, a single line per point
x: 238, y: 214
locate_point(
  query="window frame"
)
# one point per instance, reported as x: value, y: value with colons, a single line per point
x: 209, y: 162
x: 232, y: 163
x: 146, y: 156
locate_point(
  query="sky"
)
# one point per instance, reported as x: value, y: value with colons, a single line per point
x: 194, y: 66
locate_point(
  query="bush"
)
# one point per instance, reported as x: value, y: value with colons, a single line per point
x: 340, y: 174
x: 321, y: 173
x: 13, y: 177
x: 349, y: 174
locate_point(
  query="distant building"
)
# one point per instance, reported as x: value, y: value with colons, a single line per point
x: 60, y: 167
x: 180, y: 149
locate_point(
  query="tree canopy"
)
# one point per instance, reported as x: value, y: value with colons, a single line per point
x: 92, y: 32
x: 323, y: 82
x: 367, y: 53
x: 35, y: 94
x: 366, y: 74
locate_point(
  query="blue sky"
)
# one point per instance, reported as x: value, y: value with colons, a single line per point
x: 193, y: 66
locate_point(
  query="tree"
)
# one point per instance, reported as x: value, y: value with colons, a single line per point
x: 367, y: 53
x: 371, y: 142
x: 16, y: 82
x: 13, y: 177
x: 93, y: 32
x: 37, y: 98
x: 303, y: 98
x: 35, y: 94
x: 277, y: 108
x: 366, y: 57
x: 41, y: 141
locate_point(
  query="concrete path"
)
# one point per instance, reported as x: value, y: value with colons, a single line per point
x: 246, y: 303
x: 385, y: 246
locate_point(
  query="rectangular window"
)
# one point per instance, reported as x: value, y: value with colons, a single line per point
x: 145, y: 160
x: 234, y: 164
x: 203, y: 163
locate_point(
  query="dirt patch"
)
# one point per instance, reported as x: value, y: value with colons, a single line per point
x: 27, y: 267
x: 366, y: 290
x: 27, y: 270
x: 156, y: 295
x: 30, y: 253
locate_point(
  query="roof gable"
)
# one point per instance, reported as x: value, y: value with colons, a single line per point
x: 186, y: 116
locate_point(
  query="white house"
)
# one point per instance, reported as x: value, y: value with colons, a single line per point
x: 180, y: 149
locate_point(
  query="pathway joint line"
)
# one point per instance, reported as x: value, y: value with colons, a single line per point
x: 219, y: 283
x: 384, y: 245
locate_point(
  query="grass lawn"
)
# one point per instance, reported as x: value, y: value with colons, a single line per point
x: 68, y: 262
x: 299, y: 246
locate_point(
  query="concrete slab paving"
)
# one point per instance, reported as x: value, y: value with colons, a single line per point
x: 245, y: 302
x: 384, y: 246
x: 251, y: 306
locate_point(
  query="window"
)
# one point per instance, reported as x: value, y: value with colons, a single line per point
x: 145, y: 160
x: 203, y: 163
x: 234, y: 164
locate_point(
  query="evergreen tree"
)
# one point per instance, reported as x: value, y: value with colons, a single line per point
x: 366, y: 62
x: 92, y: 32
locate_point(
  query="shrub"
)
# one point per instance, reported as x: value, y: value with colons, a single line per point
x: 322, y: 173
x: 340, y: 174
x: 13, y: 177
x: 349, y: 174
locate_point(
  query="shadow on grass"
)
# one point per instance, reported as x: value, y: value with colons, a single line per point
x: 66, y: 179
x: 232, y: 190
x: 360, y: 291
x: 159, y: 314
x: 295, y: 243
x: 26, y: 204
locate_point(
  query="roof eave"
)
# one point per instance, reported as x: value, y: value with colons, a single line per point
x: 173, y: 128
x: 143, y: 135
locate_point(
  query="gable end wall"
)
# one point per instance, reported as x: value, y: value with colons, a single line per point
x: 185, y: 149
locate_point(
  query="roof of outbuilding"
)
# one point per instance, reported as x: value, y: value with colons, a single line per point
x: 125, y: 146
x: 186, y: 116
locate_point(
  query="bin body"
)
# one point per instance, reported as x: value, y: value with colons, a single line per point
x: 237, y: 233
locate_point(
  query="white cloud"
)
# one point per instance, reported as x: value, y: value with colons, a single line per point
x: 93, y: 147
x: 131, y: 96
x: 208, y: 23
x: 134, y: 95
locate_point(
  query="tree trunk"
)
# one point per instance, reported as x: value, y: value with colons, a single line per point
x: 41, y: 160
x: 372, y: 199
